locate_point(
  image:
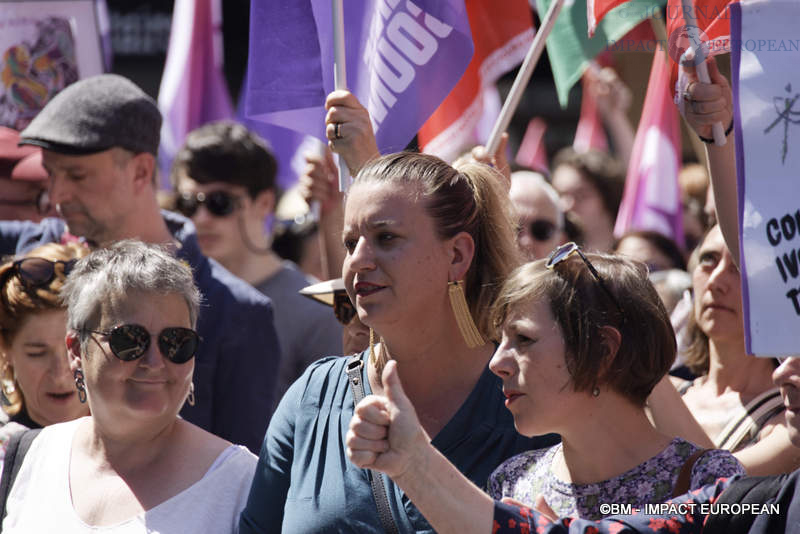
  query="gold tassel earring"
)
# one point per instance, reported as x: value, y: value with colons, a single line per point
x: 458, y: 301
x: 378, y: 360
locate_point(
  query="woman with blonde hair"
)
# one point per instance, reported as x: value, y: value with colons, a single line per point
x: 427, y: 247
x: 37, y: 385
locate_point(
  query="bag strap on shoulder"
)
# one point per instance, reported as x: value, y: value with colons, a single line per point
x: 17, y: 448
x: 353, y: 370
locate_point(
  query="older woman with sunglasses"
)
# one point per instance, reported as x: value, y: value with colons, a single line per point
x: 134, y: 465
x: 37, y: 384
x: 426, y: 246
x: 584, y: 340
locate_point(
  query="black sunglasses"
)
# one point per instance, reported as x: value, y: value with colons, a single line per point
x: 568, y: 249
x: 129, y: 342
x: 343, y: 309
x: 37, y: 272
x: 218, y: 203
x: 541, y: 229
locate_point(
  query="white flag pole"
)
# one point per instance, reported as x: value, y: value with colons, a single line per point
x: 524, y: 75
x: 696, y: 47
x: 339, y: 75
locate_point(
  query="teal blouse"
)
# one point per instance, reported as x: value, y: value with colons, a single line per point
x: 304, y: 482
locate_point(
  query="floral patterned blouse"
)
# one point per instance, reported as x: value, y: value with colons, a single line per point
x: 527, y: 475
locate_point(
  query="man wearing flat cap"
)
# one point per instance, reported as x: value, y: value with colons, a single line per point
x: 99, y: 139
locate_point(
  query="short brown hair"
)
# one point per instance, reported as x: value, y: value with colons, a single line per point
x: 604, y: 172
x: 18, y: 303
x: 581, y: 308
x: 469, y: 199
x: 226, y: 151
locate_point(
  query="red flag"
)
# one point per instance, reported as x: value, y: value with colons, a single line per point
x: 651, y: 200
x: 715, y: 29
x: 590, y: 134
x: 502, y: 32
x: 532, y: 153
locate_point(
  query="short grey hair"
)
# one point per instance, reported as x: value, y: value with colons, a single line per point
x: 537, y: 179
x: 108, y: 275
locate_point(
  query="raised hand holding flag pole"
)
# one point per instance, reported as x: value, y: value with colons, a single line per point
x: 523, y: 76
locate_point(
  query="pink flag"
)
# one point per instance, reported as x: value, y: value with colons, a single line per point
x: 651, y: 200
x: 532, y: 153
x: 590, y: 134
x: 193, y: 90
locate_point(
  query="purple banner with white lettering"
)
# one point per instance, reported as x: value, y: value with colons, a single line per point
x: 403, y: 58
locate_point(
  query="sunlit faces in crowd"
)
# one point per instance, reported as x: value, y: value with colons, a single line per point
x: 530, y: 361
x: 393, y: 255
x: 38, y: 356
x: 541, y: 221
x: 93, y: 193
x: 717, y: 289
x: 146, y: 388
x: 225, y: 216
x: 590, y: 186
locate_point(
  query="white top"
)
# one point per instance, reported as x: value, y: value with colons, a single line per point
x: 40, y: 500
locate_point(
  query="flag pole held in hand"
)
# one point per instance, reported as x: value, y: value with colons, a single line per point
x: 524, y: 75
x: 697, y: 54
x: 339, y: 75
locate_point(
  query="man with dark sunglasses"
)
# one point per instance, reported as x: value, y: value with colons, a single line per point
x: 224, y: 180
x: 99, y: 139
x: 541, y: 221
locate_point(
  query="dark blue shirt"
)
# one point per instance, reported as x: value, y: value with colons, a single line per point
x: 305, y: 483
x: 236, y: 366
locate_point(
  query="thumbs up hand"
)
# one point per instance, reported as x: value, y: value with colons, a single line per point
x: 385, y: 433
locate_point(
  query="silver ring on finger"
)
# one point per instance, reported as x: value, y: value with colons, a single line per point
x: 337, y: 134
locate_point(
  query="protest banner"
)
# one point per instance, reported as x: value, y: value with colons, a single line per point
x: 402, y: 59
x: 764, y: 42
x: 44, y: 46
x: 652, y: 200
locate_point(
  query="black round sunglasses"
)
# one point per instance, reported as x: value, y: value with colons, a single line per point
x: 218, y: 203
x: 129, y: 342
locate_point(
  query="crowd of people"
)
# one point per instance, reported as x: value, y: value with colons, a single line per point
x: 484, y: 356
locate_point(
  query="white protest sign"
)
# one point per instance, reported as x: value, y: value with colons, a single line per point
x: 765, y: 63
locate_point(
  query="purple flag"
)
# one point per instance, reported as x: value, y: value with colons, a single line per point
x: 193, y: 90
x: 403, y: 58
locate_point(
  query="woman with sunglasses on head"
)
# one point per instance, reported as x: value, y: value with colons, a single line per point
x: 426, y: 247
x: 584, y: 340
x: 37, y: 384
x: 133, y: 465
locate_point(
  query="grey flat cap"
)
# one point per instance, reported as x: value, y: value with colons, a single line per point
x: 96, y: 114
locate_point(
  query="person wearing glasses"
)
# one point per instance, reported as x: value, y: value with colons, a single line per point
x: 426, y: 247
x: 134, y: 465
x: 224, y: 180
x: 37, y: 386
x: 99, y: 139
x: 541, y: 221
x: 355, y: 334
x: 590, y: 186
x: 584, y: 339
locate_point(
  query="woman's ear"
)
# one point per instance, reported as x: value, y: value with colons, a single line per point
x: 610, y: 340
x: 73, y: 342
x: 462, y: 248
x: 264, y: 202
